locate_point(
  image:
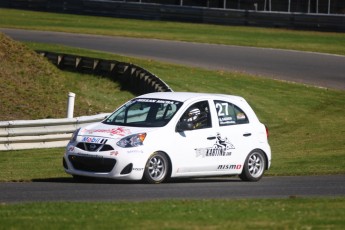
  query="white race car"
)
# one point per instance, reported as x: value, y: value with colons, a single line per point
x: 158, y: 136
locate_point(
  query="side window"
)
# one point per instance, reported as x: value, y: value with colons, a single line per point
x: 229, y: 114
x: 199, y: 115
x: 241, y: 117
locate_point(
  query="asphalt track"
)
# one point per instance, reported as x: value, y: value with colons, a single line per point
x: 311, y: 68
x: 317, y: 69
x: 65, y: 189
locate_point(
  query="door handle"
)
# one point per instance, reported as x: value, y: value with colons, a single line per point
x: 211, y: 138
x: 247, y: 134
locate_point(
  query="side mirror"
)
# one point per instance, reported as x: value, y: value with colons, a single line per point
x: 183, y: 126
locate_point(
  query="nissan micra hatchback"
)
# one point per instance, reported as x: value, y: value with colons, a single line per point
x: 165, y: 135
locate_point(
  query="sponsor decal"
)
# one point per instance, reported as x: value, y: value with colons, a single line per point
x: 225, y: 120
x: 241, y: 116
x: 138, y: 169
x: 117, y: 131
x: 94, y: 140
x: 135, y: 151
x: 225, y: 167
x: 71, y: 148
x: 212, y: 152
x: 146, y: 100
x: 156, y: 101
x: 222, y: 147
x: 114, y: 153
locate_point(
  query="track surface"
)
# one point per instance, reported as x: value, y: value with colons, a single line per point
x: 311, y: 68
x: 215, y: 188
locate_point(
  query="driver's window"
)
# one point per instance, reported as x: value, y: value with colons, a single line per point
x: 199, y: 115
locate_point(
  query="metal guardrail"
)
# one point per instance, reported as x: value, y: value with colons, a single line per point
x: 130, y: 76
x: 126, y: 9
x: 45, y: 133
x: 298, y: 6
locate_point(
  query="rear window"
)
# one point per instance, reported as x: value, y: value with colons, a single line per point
x: 229, y: 114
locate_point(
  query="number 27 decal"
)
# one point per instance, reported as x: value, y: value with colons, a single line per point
x: 222, y: 109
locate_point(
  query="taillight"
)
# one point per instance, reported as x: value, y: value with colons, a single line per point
x: 267, y: 133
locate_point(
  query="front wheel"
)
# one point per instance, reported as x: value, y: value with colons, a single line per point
x: 254, y: 166
x: 156, y: 168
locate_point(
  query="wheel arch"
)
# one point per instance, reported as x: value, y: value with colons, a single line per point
x: 266, y: 158
x: 169, y: 161
x: 246, y: 174
x: 264, y: 153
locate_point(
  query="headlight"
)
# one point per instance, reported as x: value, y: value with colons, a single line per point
x: 132, y: 140
x: 74, y: 135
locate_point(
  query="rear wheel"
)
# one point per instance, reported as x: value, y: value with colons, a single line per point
x: 156, y: 168
x: 254, y: 166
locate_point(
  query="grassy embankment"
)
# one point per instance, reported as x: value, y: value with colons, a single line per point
x: 32, y: 88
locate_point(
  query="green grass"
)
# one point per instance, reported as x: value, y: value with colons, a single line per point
x: 294, y: 213
x: 231, y: 35
x: 28, y: 165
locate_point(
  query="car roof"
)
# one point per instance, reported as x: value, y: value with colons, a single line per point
x: 184, y: 96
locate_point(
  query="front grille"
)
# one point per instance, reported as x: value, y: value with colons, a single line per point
x: 92, y: 164
x: 92, y: 147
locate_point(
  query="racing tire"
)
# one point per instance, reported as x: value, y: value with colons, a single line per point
x: 254, y: 166
x: 156, y: 168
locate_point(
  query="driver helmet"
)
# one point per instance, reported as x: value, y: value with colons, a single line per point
x: 193, y: 114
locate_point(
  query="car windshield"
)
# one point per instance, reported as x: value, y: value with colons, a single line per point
x: 144, y: 112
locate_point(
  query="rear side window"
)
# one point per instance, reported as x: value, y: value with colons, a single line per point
x: 229, y: 114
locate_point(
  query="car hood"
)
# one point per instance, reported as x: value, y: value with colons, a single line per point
x: 111, y: 131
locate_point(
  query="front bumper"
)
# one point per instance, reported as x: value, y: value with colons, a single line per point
x: 115, y: 164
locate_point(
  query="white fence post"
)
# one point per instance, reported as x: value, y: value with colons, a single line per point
x: 70, y: 105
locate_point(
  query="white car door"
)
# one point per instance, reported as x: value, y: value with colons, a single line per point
x: 233, y: 132
x: 193, y: 148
